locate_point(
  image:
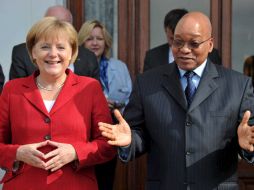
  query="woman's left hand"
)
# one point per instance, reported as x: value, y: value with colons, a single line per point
x: 62, y: 155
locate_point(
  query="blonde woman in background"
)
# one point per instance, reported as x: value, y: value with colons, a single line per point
x: 114, y: 75
x: 115, y: 80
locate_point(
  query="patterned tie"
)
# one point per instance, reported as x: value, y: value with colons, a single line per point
x: 190, y: 88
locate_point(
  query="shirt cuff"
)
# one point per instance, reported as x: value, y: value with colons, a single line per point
x: 123, y: 153
x: 248, y: 156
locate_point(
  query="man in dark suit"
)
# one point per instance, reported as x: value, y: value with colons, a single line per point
x: 189, y: 116
x: 22, y: 66
x: 86, y: 63
x: 1, y: 79
x: 162, y: 54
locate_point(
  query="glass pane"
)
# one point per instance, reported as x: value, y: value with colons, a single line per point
x: 106, y: 12
x: 242, y: 32
x: 158, y: 10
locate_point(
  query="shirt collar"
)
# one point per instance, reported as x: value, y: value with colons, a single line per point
x: 198, y: 71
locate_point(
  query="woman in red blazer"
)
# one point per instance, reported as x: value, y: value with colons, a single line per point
x: 49, y: 136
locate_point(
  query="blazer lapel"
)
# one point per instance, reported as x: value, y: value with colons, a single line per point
x: 206, y: 86
x: 66, y: 93
x: 33, y: 95
x: 171, y: 83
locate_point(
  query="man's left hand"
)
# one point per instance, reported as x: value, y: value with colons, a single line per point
x: 246, y: 133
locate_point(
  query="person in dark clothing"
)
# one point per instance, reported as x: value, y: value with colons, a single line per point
x: 2, y: 78
x: 162, y: 54
x: 248, y: 67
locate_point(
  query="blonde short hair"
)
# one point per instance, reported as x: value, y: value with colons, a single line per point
x: 49, y: 27
x: 85, y: 32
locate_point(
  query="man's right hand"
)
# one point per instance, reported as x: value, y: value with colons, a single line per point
x: 119, y: 134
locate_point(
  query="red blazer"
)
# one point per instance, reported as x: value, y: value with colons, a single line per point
x: 73, y: 119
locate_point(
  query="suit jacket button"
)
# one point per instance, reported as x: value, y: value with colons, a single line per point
x: 189, y: 152
x: 188, y: 123
x: 47, y: 137
x: 47, y: 120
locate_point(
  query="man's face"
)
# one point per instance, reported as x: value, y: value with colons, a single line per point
x: 192, y: 43
x: 170, y: 35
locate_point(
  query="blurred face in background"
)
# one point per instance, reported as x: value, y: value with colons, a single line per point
x: 95, y: 42
x: 170, y: 35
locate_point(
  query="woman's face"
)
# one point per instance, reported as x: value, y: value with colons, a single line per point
x: 96, y: 42
x: 52, y: 55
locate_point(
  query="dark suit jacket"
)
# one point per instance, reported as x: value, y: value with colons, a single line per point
x: 159, y: 56
x: 1, y: 79
x: 195, y: 147
x: 21, y: 66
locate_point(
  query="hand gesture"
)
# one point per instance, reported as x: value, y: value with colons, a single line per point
x: 118, y: 135
x: 62, y: 155
x: 30, y: 154
x: 246, y: 133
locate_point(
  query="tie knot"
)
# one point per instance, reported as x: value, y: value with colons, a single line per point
x: 189, y: 74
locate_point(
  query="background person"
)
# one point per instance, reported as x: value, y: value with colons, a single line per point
x: 2, y: 78
x: 114, y: 74
x: 162, y: 54
x: 115, y: 80
x: 39, y: 139
x: 190, y: 144
x: 85, y: 64
x: 248, y: 67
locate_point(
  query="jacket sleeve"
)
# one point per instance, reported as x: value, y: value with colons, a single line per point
x: 6, y: 148
x: 2, y: 79
x: 134, y: 116
x: 97, y: 150
x: 247, y: 104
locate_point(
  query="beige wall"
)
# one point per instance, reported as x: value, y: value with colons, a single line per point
x: 15, y: 21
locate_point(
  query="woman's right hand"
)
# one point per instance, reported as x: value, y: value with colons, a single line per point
x: 30, y: 154
x: 119, y: 134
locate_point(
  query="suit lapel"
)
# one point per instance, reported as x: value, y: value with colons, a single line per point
x: 33, y: 95
x: 66, y: 93
x: 206, y: 86
x: 171, y: 83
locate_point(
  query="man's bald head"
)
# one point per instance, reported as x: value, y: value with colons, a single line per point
x: 60, y: 13
x: 195, y: 21
x: 192, y: 40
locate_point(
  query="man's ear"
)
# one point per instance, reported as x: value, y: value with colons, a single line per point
x: 211, y: 44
